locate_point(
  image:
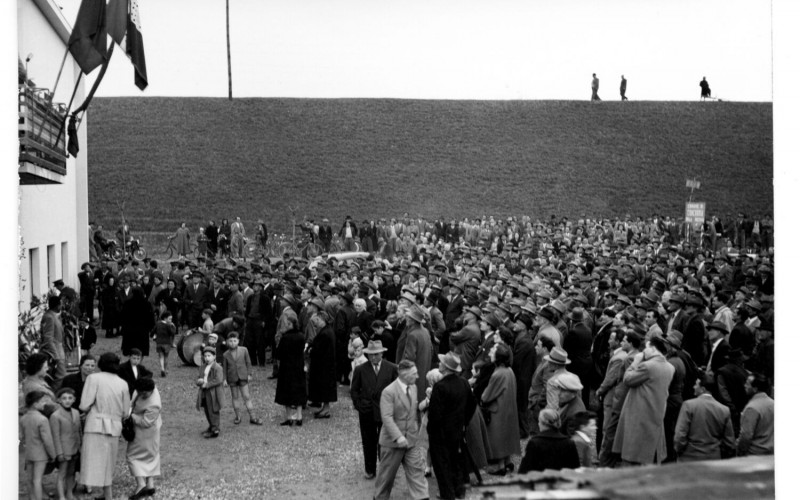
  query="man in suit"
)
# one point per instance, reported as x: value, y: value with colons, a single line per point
x: 399, y: 435
x: 132, y: 370
x: 219, y: 299
x: 717, y: 331
x: 451, y: 407
x: 694, y: 332
x: 256, y: 313
x: 369, y: 380
x: 87, y: 293
x: 415, y: 344
x: 466, y: 342
x: 196, y: 298
x: 452, y: 313
x: 52, y: 333
x: 704, y: 430
x: 677, y: 318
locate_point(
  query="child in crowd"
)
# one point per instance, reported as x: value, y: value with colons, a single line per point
x: 165, y: 339
x: 212, y: 340
x: 88, y: 335
x: 65, y: 424
x: 209, y: 394
x: 237, y: 373
x: 208, y: 324
x: 355, y: 349
x: 37, y: 439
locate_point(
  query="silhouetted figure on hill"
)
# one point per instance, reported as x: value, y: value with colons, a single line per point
x: 595, y: 87
x: 623, y: 86
x: 705, y: 90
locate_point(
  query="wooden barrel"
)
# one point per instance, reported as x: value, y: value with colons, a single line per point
x: 189, y: 347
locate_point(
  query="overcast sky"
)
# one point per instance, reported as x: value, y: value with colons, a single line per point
x: 458, y: 49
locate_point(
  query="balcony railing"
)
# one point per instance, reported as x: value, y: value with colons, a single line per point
x: 42, y: 158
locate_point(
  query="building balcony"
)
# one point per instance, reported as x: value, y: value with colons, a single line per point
x: 42, y: 153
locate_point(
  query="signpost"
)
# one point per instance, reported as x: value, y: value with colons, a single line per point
x: 695, y: 211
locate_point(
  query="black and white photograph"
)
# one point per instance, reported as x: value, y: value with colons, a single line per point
x: 280, y: 249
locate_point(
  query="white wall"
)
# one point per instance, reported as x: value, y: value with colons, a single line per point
x: 52, y: 214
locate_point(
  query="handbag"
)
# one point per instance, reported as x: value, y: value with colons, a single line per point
x: 128, y: 429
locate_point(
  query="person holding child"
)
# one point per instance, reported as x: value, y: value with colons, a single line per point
x: 144, y: 452
x: 37, y: 439
x: 65, y: 425
x: 165, y: 339
x: 209, y: 393
x: 237, y: 372
x: 106, y: 400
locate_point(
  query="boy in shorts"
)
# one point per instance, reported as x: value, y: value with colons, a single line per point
x: 237, y: 373
x: 165, y: 339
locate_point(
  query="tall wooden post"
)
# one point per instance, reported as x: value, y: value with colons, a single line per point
x: 228, y: 36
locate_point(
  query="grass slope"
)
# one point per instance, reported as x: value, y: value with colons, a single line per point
x: 193, y: 159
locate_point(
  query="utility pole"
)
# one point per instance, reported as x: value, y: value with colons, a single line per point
x: 228, y: 36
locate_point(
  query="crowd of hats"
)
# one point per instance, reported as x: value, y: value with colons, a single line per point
x: 549, y: 266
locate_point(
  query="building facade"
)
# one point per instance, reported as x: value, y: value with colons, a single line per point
x: 53, y: 189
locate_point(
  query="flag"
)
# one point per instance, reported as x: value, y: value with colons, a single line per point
x: 87, y: 44
x: 117, y: 19
x: 134, y: 45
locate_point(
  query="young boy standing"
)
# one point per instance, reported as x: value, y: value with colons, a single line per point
x: 165, y: 339
x: 209, y: 394
x: 65, y: 424
x: 237, y: 372
x: 38, y: 441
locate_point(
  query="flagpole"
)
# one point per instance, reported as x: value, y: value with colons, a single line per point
x: 58, y: 77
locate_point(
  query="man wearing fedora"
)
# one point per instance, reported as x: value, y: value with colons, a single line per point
x: 415, y: 344
x: 399, y: 435
x: 694, y: 332
x: 369, y: 380
x: 466, y: 342
x: 546, y: 319
x: 717, y: 332
x: 451, y: 407
x: 640, y: 433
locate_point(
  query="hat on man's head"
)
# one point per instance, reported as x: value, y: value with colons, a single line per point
x: 409, y: 297
x: 416, y: 314
x: 753, y: 304
x: 674, y: 338
x: 474, y: 310
x: 374, y: 347
x: 548, y: 313
x: 558, y: 356
x: 58, y: 282
x: 719, y: 325
x: 678, y: 299
x: 451, y: 361
x: 694, y: 300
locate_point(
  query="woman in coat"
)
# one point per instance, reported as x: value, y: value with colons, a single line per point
x: 500, y: 399
x: 109, y: 301
x: 291, y: 389
x: 144, y: 452
x: 182, y: 240
x: 107, y: 400
x: 137, y: 321
x: 322, y: 365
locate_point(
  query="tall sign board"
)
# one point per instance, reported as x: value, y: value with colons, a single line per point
x: 695, y: 213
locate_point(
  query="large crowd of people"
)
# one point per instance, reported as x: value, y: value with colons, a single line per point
x: 605, y: 342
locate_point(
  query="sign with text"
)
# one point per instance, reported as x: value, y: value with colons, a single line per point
x: 692, y: 183
x: 695, y: 213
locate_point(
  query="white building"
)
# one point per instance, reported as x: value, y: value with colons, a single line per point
x: 53, y: 197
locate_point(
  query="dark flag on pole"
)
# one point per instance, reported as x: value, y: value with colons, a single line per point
x: 87, y: 44
x: 117, y: 19
x: 134, y: 45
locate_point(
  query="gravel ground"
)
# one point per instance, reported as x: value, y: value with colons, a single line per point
x: 321, y: 459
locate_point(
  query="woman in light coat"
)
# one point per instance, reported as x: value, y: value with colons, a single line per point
x: 106, y: 401
x: 144, y: 452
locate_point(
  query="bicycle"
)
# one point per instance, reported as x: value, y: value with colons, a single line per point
x: 172, y: 249
x: 305, y: 247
